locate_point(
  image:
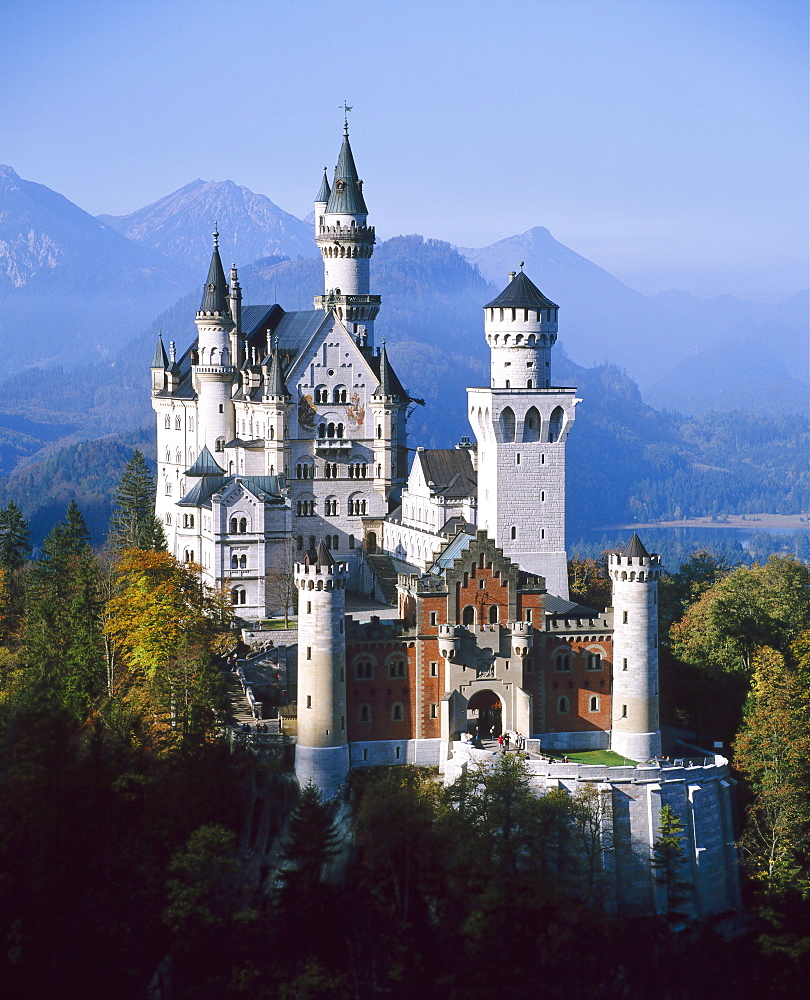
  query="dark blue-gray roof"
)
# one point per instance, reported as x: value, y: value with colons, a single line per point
x: 324, y: 191
x: 347, y: 189
x: 215, y: 292
x: 160, y: 360
x: 205, y: 465
x: 521, y: 293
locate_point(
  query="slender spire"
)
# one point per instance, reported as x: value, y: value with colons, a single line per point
x: 385, y: 388
x: 635, y: 548
x: 275, y: 378
x: 215, y: 292
x: 160, y: 360
x: 347, y: 191
x: 324, y: 190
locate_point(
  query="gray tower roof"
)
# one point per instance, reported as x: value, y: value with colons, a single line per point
x: 386, y: 386
x: 275, y: 378
x: 635, y: 548
x: 205, y: 465
x: 521, y: 293
x: 215, y: 292
x: 321, y: 556
x: 347, y: 190
x: 160, y: 360
x: 324, y: 190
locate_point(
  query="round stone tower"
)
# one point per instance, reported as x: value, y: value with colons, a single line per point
x: 346, y: 242
x: 214, y: 371
x: 634, y: 576
x: 521, y: 328
x: 322, y: 750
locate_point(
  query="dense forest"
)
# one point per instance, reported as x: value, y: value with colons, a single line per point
x: 124, y: 814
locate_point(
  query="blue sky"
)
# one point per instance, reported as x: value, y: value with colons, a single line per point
x: 663, y: 139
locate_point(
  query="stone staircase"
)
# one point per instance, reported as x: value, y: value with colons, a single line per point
x: 383, y: 567
x: 238, y: 710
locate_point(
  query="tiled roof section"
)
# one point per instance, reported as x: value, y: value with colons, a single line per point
x: 454, y: 524
x: 635, y: 549
x: 215, y: 292
x: 521, y: 293
x: 324, y: 191
x: 292, y: 331
x: 449, y: 471
x: 160, y: 360
x: 559, y: 607
x: 445, y: 559
x: 200, y: 494
x: 346, y: 195
x: 205, y: 465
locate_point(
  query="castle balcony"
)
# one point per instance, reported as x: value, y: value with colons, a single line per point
x: 214, y: 370
x: 329, y: 446
x: 552, y: 390
x: 364, y: 234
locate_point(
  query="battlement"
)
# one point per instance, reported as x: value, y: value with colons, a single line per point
x: 360, y: 234
x: 321, y: 576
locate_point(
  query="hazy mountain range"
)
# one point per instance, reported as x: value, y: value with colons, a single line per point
x: 74, y: 289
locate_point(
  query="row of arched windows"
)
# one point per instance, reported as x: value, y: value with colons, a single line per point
x: 238, y: 525
x: 364, y: 668
x: 238, y: 596
x: 238, y: 561
x: 330, y: 430
x: 468, y: 615
x: 397, y: 712
x: 307, y: 470
x: 357, y: 507
x: 339, y: 394
x: 335, y: 543
x: 178, y: 423
x: 188, y: 520
x: 305, y: 508
x: 564, y: 705
x: 358, y: 470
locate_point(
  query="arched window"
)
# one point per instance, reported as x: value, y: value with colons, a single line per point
x: 330, y: 430
x: 397, y: 714
x: 594, y: 703
x: 507, y: 424
x: 364, y: 713
x: 562, y: 663
x: 594, y: 661
x: 513, y: 532
x: 234, y: 561
x: 493, y: 614
x: 364, y: 669
x: 243, y: 525
x: 468, y: 615
x: 242, y: 562
x: 234, y: 525
x: 220, y: 444
x: 555, y: 423
x: 340, y: 430
x: 339, y: 394
x: 396, y: 668
x: 167, y: 423
x: 178, y: 424
x: 562, y: 705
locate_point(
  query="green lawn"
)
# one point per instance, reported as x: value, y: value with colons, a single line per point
x: 607, y: 757
x: 276, y: 624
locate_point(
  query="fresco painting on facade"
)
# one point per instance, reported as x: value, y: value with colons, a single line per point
x: 287, y: 431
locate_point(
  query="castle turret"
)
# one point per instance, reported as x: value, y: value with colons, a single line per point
x: 278, y: 402
x: 521, y: 423
x: 634, y: 577
x: 159, y: 365
x: 213, y: 372
x: 322, y: 750
x: 237, y: 340
x: 346, y: 242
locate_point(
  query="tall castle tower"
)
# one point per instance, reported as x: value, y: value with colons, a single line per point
x: 346, y: 243
x: 634, y: 576
x: 213, y: 370
x: 521, y: 424
x: 322, y: 750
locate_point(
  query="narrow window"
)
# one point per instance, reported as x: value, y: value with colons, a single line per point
x: 624, y: 617
x: 624, y: 711
x: 594, y: 704
x: 433, y: 617
x: 398, y: 751
x: 365, y: 753
x: 434, y: 668
x: 624, y: 663
x: 513, y: 532
x: 309, y: 701
x: 434, y: 710
x: 309, y: 656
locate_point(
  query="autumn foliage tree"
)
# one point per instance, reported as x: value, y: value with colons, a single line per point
x: 164, y: 621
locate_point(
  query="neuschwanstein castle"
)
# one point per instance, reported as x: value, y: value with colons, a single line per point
x: 282, y: 442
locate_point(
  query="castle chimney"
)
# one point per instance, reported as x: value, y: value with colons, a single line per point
x: 512, y: 276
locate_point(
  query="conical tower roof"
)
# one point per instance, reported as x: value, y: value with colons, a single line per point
x: 160, y: 360
x: 275, y: 378
x: 205, y: 465
x: 215, y: 291
x: 386, y: 386
x: 521, y: 293
x: 318, y: 557
x: 346, y: 195
x: 325, y: 190
x: 635, y: 548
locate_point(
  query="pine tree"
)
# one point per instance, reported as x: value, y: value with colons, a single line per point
x: 134, y: 525
x: 667, y: 862
x: 313, y: 840
x: 15, y: 545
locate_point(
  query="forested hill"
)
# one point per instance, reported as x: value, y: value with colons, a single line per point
x: 626, y: 460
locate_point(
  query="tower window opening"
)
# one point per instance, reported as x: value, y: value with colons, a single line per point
x: 562, y: 705
x: 434, y: 668
x: 562, y: 663
x: 513, y: 532
x: 309, y: 701
x: 624, y: 711
x: 221, y: 407
x: 594, y: 661
x: 624, y: 617
x: 397, y: 715
x: 624, y: 663
x: 434, y: 710
x: 594, y: 705
x: 365, y: 751
x: 364, y: 715
x: 309, y: 657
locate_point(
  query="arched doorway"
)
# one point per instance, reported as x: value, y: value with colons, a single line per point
x: 371, y: 542
x: 488, y: 706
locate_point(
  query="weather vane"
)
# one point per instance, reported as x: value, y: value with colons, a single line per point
x: 346, y: 108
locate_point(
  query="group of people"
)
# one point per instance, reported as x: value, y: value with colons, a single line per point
x: 261, y: 727
x: 505, y: 741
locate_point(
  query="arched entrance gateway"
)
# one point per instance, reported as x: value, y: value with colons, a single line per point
x: 371, y: 542
x: 489, y: 721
